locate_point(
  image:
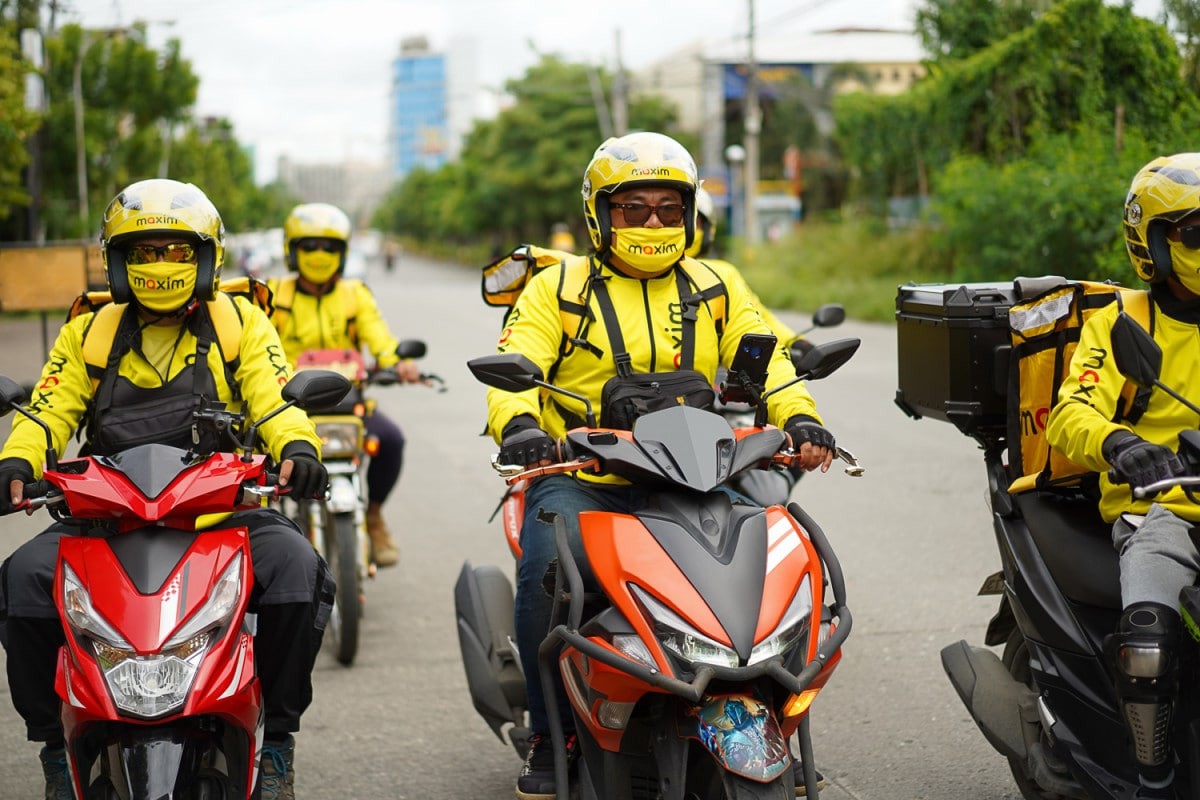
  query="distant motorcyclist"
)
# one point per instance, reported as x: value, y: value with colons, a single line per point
x: 316, y: 308
x: 1158, y: 556
x: 642, y: 307
x: 163, y: 246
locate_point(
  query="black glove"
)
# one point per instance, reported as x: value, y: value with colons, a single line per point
x: 309, y: 479
x: 524, y: 443
x: 12, y: 469
x: 1139, y: 462
x: 803, y: 428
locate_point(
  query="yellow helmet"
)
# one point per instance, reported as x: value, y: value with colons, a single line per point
x: 315, y: 221
x: 1163, y: 192
x: 636, y: 159
x: 706, y: 224
x: 159, y: 207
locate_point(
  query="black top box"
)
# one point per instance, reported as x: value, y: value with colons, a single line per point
x: 954, y: 344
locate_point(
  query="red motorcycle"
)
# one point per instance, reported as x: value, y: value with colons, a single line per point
x: 717, y: 623
x: 157, y: 683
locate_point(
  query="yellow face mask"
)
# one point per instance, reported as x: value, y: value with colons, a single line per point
x: 1185, y: 263
x: 648, y: 252
x: 318, y: 266
x: 162, y: 286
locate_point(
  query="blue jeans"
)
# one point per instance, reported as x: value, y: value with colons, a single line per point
x: 564, y: 495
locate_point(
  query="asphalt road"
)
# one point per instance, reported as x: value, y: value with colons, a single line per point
x: 913, y: 536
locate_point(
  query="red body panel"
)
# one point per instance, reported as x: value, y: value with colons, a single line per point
x: 225, y: 686
x: 212, y: 487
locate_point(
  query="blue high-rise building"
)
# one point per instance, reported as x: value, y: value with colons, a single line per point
x: 420, y: 133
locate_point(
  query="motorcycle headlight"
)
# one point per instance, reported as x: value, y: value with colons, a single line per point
x: 150, y: 686
x: 791, y: 629
x: 682, y: 638
x: 339, y: 439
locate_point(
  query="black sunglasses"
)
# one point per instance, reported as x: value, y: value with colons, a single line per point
x: 1189, y: 236
x: 312, y: 245
x: 669, y: 214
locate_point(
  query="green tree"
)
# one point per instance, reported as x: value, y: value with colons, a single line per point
x: 16, y: 123
x: 955, y: 29
x: 1183, y: 18
x: 131, y: 97
x: 519, y: 173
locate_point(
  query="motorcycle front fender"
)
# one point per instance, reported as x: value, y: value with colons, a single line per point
x: 343, y: 494
x: 741, y: 733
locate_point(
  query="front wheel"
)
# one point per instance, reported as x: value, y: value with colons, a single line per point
x: 341, y: 552
x: 735, y: 787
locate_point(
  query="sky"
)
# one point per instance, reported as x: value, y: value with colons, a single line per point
x: 309, y: 79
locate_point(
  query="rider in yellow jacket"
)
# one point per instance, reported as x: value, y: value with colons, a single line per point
x: 163, y: 245
x: 1159, y: 558
x: 635, y: 306
x: 316, y: 309
x: 62, y: 397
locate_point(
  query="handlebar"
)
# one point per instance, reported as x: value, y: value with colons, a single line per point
x: 512, y: 473
x: 1186, y: 482
x: 388, y: 377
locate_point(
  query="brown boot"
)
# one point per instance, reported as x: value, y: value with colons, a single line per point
x: 384, y: 551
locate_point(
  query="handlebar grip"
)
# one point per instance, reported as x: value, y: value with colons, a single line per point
x: 1116, y: 477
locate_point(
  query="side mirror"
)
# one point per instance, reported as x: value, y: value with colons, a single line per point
x: 411, y: 348
x: 10, y: 393
x: 511, y: 372
x: 316, y: 389
x: 823, y: 359
x: 829, y: 315
x: 1138, y: 356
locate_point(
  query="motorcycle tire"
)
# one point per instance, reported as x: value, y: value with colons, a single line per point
x: 1016, y: 659
x: 341, y: 553
x: 735, y: 787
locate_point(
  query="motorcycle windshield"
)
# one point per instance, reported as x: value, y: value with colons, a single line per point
x: 741, y: 734
x: 690, y: 446
x: 149, y: 467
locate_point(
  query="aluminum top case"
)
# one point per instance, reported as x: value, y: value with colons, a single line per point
x: 953, y: 344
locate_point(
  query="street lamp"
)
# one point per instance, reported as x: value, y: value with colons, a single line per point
x: 735, y: 154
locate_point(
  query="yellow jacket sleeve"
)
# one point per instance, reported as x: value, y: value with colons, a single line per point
x: 59, y: 399
x: 261, y: 374
x: 373, y: 331
x: 1090, y: 397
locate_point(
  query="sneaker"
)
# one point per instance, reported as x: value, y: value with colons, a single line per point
x: 384, y: 551
x: 275, y: 770
x: 798, y: 773
x: 58, y: 777
x: 536, y: 781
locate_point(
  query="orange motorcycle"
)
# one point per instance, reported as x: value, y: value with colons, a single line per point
x: 716, y: 625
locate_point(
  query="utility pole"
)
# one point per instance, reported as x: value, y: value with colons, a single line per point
x: 620, y: 112
x: 753, y: 126
x: 602, y: 113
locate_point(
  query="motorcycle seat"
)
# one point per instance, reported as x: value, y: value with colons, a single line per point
x: 1076, y: 545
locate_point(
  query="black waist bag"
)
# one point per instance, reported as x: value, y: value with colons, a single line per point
x: 625, y: 398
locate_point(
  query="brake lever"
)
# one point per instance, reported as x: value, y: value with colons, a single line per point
x: 853, y: 468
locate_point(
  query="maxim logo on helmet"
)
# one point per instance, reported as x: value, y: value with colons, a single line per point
x: 157, y: 284
x: 158, y: 220
x: 664, y: 248
x: 661, y: 171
